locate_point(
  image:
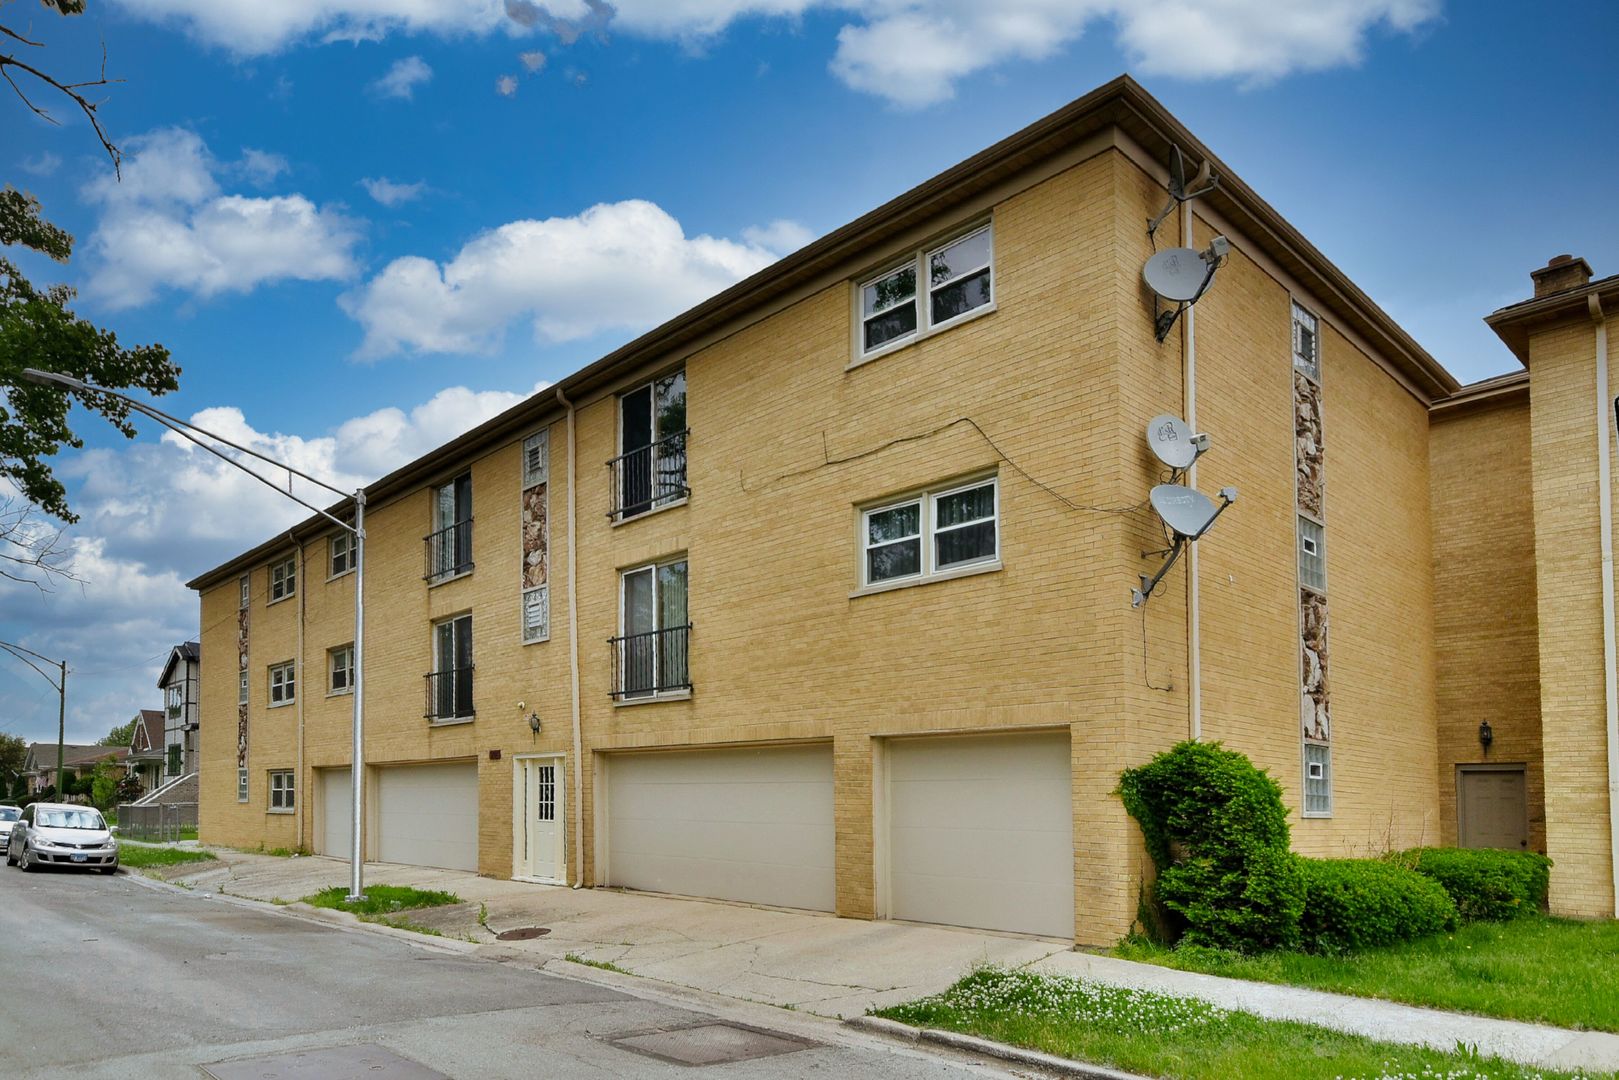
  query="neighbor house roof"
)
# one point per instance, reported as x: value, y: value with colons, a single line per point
x: 147, y: 740
x: 186, y: 650
x: 1121, y: 104
x: 42, y: 755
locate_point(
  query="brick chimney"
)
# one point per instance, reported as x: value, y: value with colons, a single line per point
x: 1562, y: 272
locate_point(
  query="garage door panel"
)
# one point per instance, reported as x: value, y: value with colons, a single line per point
x: 336, y: 812
x: 427, y: 815
x: 754, y: 825
x: 980, y: 832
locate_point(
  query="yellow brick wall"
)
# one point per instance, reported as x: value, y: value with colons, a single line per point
x: 1486, y: 631
x: 1062, y: 377
x: 1569, y: 601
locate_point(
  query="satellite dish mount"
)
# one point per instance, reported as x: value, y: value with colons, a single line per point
x: 1203, y: 183
x: 1189, y: 514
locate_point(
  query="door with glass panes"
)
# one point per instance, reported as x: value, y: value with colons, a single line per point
x: 542, y: 818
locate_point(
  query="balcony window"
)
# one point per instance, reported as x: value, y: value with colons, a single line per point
x: 449, y: 545
x: 650, y: 657
x: 449, y: 684
x: 650, y: 470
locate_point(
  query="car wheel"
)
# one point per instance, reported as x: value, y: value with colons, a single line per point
x: 27, y: 859
x: 9, y: 860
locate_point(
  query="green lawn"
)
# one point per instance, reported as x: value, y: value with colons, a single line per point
x: 381, y: 899
x: 139, y: 856
x: 1552, y: 971
x: 1179, y: 1038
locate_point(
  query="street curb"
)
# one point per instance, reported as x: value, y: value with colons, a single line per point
x: 973, y: 1045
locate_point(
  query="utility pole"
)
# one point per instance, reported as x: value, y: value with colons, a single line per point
x: 61, y: 733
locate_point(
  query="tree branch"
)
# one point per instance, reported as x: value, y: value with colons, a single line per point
x: 85, y: 105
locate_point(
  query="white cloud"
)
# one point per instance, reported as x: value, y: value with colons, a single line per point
x: 155, y: 514
x: 261, y: 167
x: 781, y: 236
x: 533, y: 60
x: 506, y: 85
x: 45, y: 164
x: 910, y: 52
x: 168, y: 225
x: 403, y: 78
x: 617, y: 266
x: 389, y: 193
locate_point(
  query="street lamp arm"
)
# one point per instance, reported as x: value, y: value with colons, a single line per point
x: 47, y: 378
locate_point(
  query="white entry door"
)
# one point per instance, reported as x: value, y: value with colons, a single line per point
x: 751, y: 824
x: 336, y: 812
x: 980, y: 832
x: 542, y: 818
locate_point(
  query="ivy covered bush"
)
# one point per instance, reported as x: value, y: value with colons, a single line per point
x: 1485, y: 883
x: 1352, y: 904
x: 1217, y: 832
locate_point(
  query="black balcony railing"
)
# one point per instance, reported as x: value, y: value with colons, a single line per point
x: 649, y: 477
x: 449, y: 551
x: 651, y: 663
x: 449, y: 694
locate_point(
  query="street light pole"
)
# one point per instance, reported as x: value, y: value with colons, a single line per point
x: 60, y: 686
x: 184, y: 428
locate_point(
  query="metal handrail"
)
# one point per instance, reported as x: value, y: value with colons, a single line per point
x: 652, y: 662
x: 649, y: 476
x: 449, y: 693
x: 448, y: 551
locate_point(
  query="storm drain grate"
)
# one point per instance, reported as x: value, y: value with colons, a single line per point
x: 365, y: 1062
x: 711, y: 1044
x: 523, y: 933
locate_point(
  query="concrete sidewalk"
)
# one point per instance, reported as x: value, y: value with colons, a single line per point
x: 843, y: 967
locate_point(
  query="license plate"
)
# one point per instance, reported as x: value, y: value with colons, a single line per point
x: 80, y: 858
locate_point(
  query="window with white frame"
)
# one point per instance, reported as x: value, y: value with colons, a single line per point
x: 650, y: 470
x: 281, y: 792
x: 1317, y: 779
x: 651, y: 655
x: 449, y: 684
x: 340, y: 669
x: 340, y: 549
x: 1312, y: 554
x: 241, y: 785
x: 243, y: 585
x: 957, y: 277
x: 931, y: 535
x: 1306, y: 343
x: 449, y: 545
x: 241, y: 689
x: 283, y: 579
x: 283, y: 684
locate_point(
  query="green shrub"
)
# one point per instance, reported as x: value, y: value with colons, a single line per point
x: 1352, y: 904
x: 1217, y: 832
x: 1485, y: 883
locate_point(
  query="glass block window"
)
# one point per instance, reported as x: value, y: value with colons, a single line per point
x: 241, y: 785
x: 1312, y: 555
x: 241, y: 687
x: 242, y: 584
x: 1317, y: 780
x: 536, y: 613
x: 1306, y: 343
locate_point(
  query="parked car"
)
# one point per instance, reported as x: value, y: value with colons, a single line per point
x: 9, y: 813
x: 60, y: 834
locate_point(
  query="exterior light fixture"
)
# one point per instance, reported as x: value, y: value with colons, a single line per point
x: 1486, y: 735
x: 534, y: 722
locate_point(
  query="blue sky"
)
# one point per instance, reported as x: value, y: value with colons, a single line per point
x: 1435, y: 151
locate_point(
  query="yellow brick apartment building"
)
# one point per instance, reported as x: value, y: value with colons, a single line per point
x: 818, y: 595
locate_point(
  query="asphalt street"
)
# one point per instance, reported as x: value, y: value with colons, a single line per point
x: 112, y: 977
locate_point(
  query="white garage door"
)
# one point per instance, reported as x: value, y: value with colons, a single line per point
x: 751, y: 825
x: 336, y: 812
x: 981, y: 832
x: 427, y: 815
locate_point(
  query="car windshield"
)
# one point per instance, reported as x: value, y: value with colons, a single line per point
x: 70, y: 819
x: 9, y: 813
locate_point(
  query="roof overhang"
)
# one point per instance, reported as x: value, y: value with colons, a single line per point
x: 1516, y: 323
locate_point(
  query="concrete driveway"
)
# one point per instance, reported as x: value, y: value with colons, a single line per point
x: 817, y: 963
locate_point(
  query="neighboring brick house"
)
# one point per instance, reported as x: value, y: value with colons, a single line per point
x: 845, y: 621
x: 148, y: 754
x: 39, y: 764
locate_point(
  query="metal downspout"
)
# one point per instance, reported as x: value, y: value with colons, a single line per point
x: 1194, y: 629
x: 573, y: 652
x: 1610, y: 663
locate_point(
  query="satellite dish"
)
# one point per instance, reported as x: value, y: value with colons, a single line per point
x: 1176, y: 274
x: 1172, y: 441
x: 1187, y: 511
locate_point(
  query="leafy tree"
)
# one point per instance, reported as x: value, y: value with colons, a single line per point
x: 104, y: 784
x: 19, y: 788
x: 38, y: 329
x: 13, y: 753
x: 121, y: 735
x: 129, y: 788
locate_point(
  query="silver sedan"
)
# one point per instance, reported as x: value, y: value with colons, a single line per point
x: 61, y: 834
